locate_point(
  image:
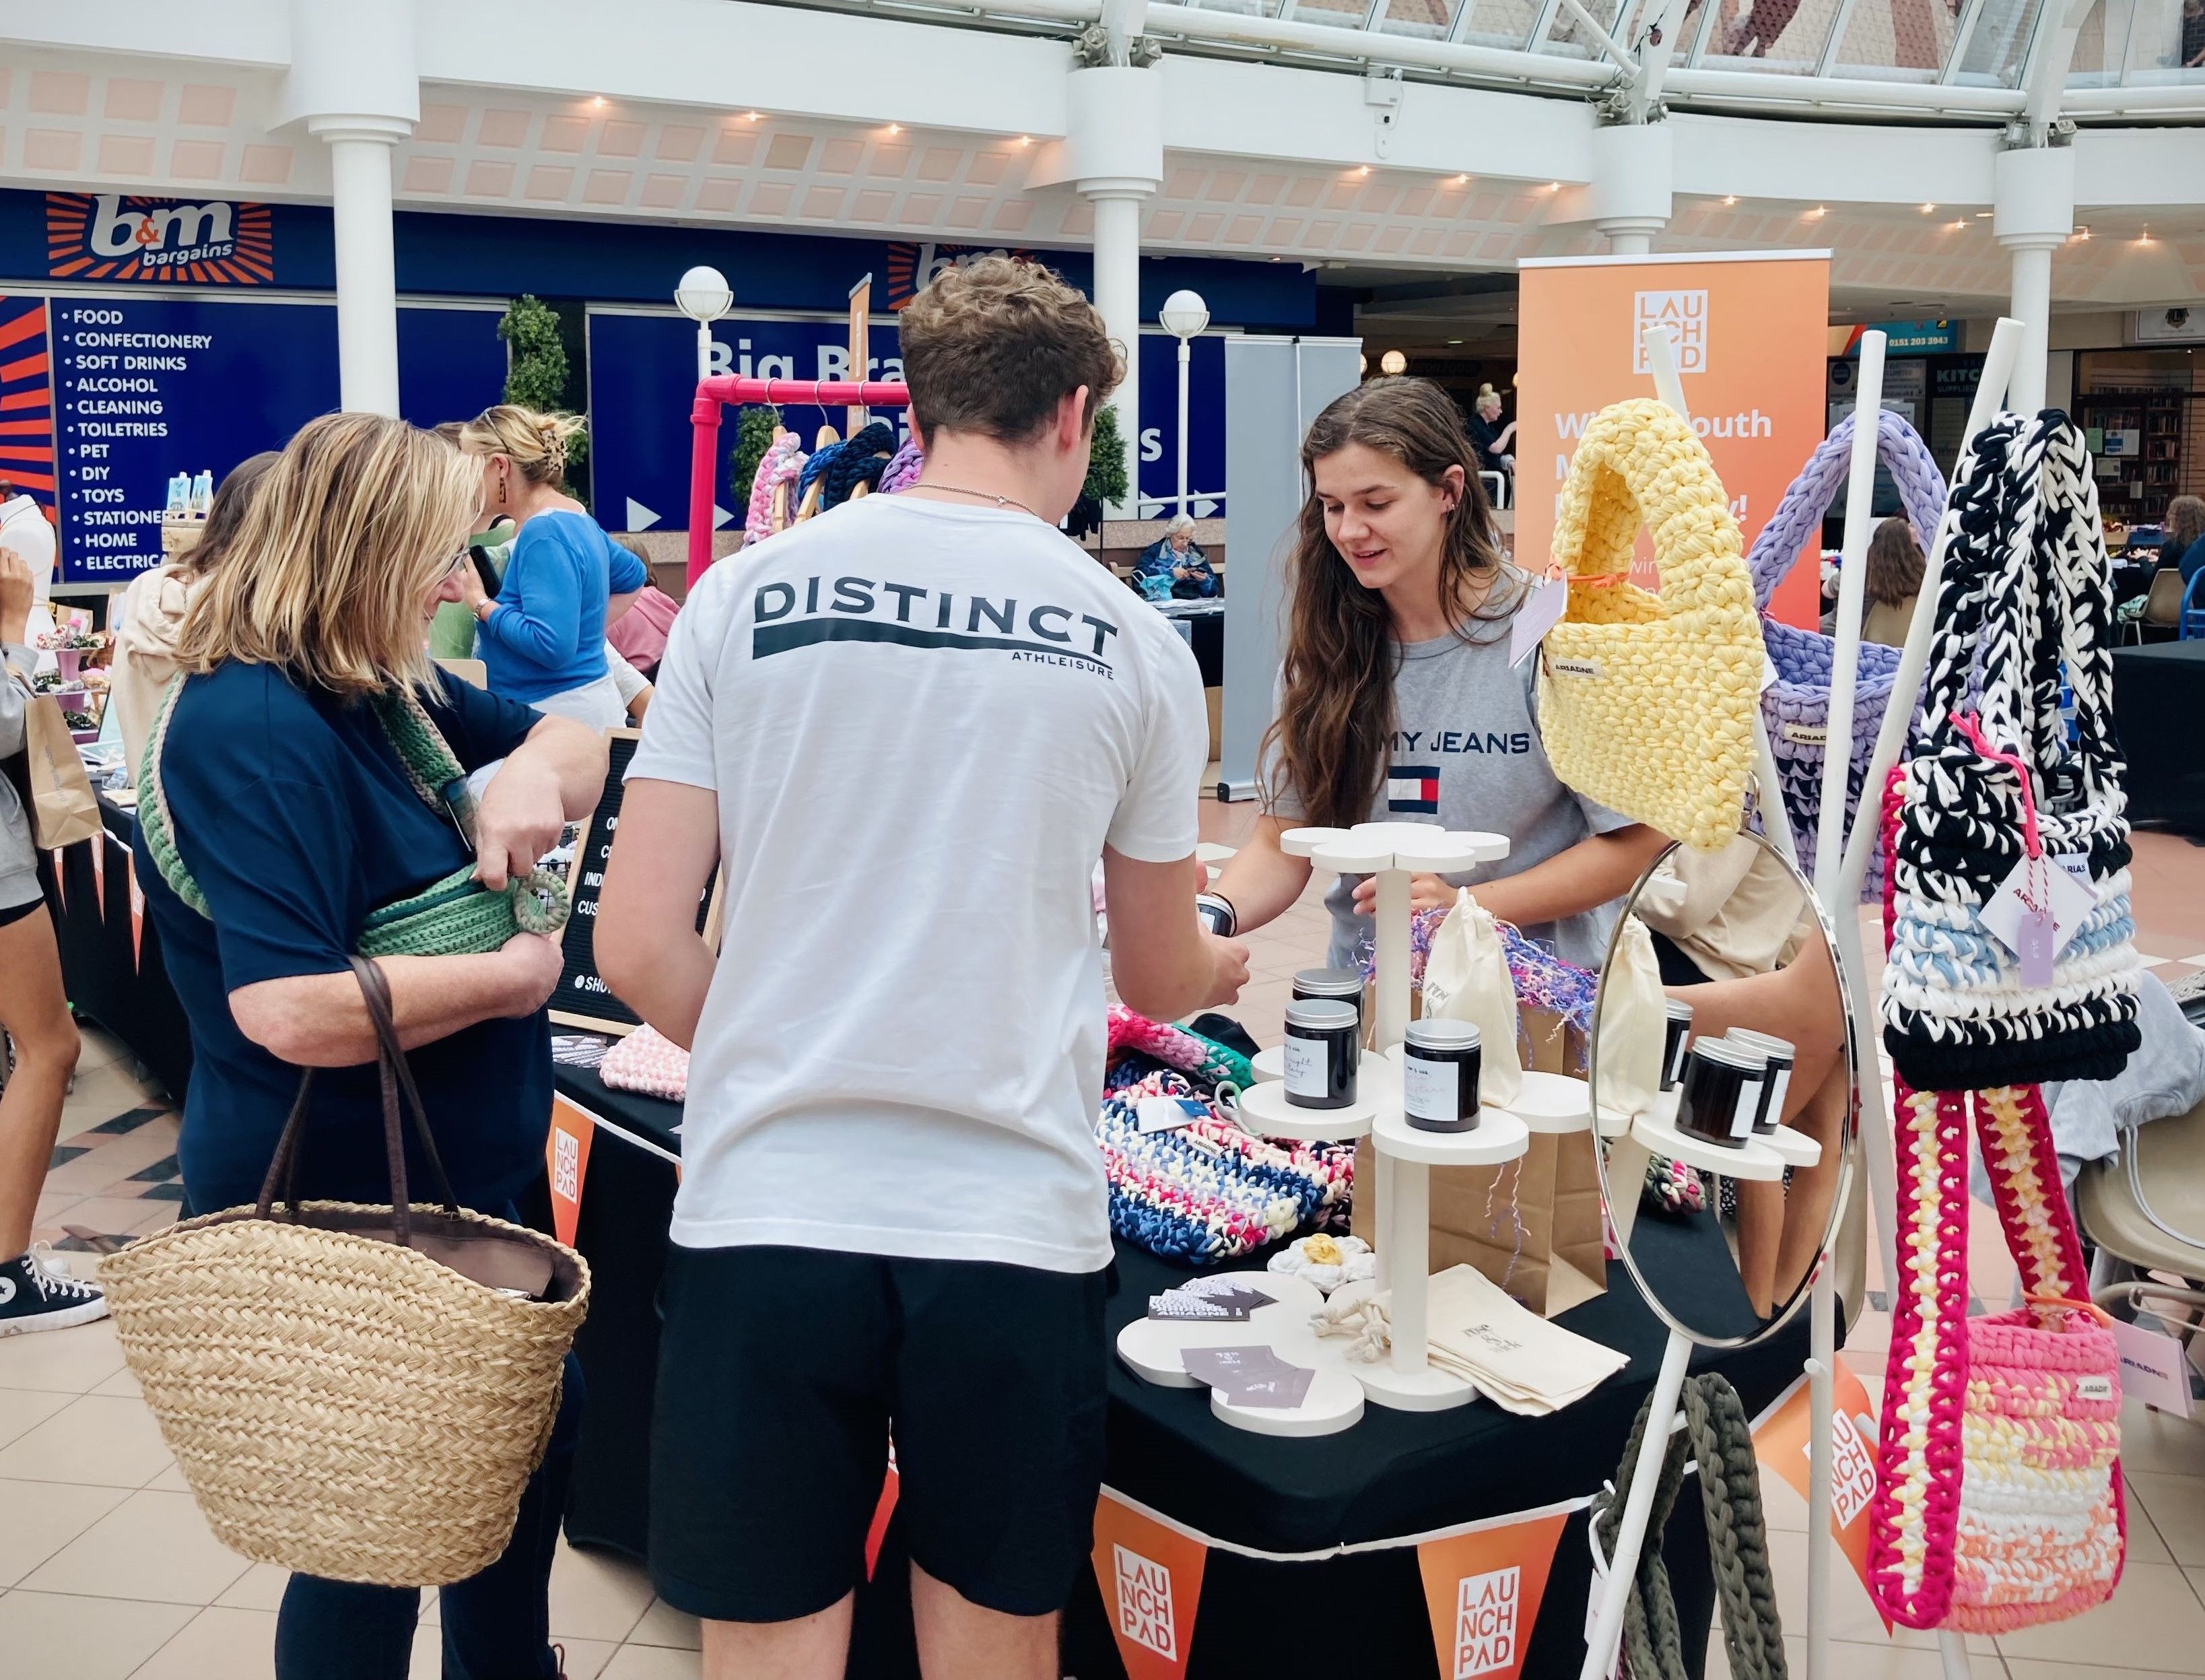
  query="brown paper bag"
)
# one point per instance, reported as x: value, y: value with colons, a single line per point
x: 50, y: 776
x: 1533, y: 1225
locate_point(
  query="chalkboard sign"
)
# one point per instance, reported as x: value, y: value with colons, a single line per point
x: 582, y: 998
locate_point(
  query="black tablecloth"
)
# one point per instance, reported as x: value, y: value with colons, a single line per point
x: 1393, y: 1475
x: 2159, y: 710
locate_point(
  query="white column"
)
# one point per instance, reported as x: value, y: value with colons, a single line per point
x: 1114, y: 151
x: 1633, y: 170
x: 360, y: 157
x: 2032, y: 214
x: 1118, y: 296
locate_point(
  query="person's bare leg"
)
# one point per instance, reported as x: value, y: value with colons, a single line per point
x: 1759, y: 1232
x: 811, y: 1648
x: 1798, y: 1004
x: 1807, y: 1208
x: 960, y: 1641
x: 34, y: 1009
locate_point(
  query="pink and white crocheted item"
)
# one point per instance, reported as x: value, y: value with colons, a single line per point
x: 647, y: 1062
x: 780, y: 465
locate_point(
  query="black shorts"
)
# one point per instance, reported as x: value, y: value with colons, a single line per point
x: 781, y: 1374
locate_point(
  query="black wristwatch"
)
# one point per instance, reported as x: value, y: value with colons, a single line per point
x: 1217, y: 913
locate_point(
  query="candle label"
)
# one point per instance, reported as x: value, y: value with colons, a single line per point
x: 1309, y: 1068
x: 1748, y: 1104
x: 1431, y: 1090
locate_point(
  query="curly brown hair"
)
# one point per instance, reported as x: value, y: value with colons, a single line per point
x: 993, y: 346
x: 1333, y: 733
x: 2185, y: 523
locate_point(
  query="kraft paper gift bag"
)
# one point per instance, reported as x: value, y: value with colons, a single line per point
x: 50, y: 776
x: 1532, y: 1225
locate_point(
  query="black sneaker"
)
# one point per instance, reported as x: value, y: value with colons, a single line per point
x: 36, y: 1294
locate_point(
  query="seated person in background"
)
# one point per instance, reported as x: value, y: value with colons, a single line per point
x: 639, y: 636
x: 1894, y: 579
x: 1174, y: 568
x: 2182, y: 544
x: 1487, y: 433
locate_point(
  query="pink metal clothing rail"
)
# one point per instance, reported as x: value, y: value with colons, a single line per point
x: 716, y: 393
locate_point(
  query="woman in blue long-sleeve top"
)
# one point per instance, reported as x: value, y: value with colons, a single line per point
x: 542, y: 635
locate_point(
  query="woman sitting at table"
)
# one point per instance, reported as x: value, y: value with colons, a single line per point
x: 2182, y: 541
x: 1174, y: 568
x: 542, y: 636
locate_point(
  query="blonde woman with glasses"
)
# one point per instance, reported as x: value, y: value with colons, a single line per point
x: 290, y: 808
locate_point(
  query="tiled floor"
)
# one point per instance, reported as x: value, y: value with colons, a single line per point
x: 107, y: 1572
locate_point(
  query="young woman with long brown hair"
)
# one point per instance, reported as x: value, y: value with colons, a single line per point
x: 1396, y: 699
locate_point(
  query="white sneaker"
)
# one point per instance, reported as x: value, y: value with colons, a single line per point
x: 37, y: 1293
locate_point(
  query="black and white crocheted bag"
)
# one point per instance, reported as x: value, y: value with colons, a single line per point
x: 2027, y: 593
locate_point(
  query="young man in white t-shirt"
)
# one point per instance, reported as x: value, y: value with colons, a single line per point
x: 909, y: 727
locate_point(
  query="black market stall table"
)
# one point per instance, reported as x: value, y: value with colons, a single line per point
x: 1304, y: 1552
x: 1202, y: 623
x: 110, y: 952
x: 2158, y: 712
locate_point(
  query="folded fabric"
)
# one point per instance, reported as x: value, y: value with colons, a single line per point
x: 1521, y: 1362
x: 2166, y: 1077
x: 644, y: 1062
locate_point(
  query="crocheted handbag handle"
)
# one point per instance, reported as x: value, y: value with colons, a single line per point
x: 1785, y: 540
x: 1640, y: 463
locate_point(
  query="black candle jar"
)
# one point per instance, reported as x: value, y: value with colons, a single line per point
x: 1339, y: 986
x: 1324, y: 1042
x: 1678, y: 1014
x: 1721, y: 1091
x: 1440, y: 1063
x: 1780, y: 1057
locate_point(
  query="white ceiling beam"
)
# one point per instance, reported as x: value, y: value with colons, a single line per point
x: 230, y: 31
x: 1806, y: 163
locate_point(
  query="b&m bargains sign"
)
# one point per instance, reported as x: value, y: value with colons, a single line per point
x: 117, y: 237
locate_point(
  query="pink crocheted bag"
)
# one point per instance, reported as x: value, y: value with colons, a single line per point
x: 1998, y: 1499
x: 644, y: 1061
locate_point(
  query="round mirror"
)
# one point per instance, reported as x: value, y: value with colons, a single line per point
x: 1723, y: 1064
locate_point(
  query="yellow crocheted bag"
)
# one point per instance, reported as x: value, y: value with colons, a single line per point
x: 1646, y: 701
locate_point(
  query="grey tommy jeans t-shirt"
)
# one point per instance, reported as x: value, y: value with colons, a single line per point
x: 1467, y: 755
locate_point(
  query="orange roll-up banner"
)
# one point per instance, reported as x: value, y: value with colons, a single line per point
x: 566, y: 1161
x: 1483, y: 1589
x: 1753, y: 331
x: 1779, y: 1442
x: 1151, y: 1580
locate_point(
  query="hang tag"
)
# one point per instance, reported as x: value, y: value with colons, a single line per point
x: 1169, y: 1114
x: 2069, y: 902
x: 1542, y: 609
x: 2076, y: 864
x: 2153, y: 1369
x: 2035, y: 947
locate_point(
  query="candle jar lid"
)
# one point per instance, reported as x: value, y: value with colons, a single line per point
x: 1328, y: 983
x: 1441, y: 1035
x: 1321, y: 1015
x: 1730, y: 1054
x: 1767, y: 1045
x: 1677, y: 1009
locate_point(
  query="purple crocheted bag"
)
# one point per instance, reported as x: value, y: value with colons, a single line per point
x: 1797, y: 704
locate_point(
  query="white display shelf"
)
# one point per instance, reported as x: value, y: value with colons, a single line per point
x: 1270, y: 1065
x: 1501, y: 1136
x: 1752, y: 1160
x: 1794, y: 1149
x: 1333, y: 1403
x: 1425, y: 1389
x: 1151, y: 1347
x: 1370, y: 848
x: 1265, y: 1111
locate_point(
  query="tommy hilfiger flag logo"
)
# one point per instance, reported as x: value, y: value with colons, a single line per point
x: 1413, y: 788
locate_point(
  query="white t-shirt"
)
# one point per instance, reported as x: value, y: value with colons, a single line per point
x: 922, y: 723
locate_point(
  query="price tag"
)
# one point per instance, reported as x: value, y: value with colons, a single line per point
x: 2036, y: 910
x: 1169, y: 1114
x: 2153, y: 1369
x: 1542, y: 609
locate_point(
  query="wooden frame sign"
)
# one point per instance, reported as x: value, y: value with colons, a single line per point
x: 582, y: 998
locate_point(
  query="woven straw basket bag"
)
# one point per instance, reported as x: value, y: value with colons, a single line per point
x: 357, y: 1392
x: 1646, y: 701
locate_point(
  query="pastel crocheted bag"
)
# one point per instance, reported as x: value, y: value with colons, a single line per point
x: 1646, y: 700
x: 647, y: 1062
x: 1797, y: 706
x: 781, y: 465
x: 2027, y: 597
x: 1997, y: 1501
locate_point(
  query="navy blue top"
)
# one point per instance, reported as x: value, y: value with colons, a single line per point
x: 2192, y: 560
x: 291, y: 811
x: 547, y: 634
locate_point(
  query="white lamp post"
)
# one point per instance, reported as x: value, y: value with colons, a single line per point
x: 1184, y: 316
x: 704, y: 297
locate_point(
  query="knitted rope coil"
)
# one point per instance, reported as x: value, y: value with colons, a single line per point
x: 1646, y: 701
x: 1797, y: 706
x: 2026, y: 597
x: 1208, y: 1191
x: 453, y: 916
x: 1997, y: 1501
x: 781, y: 464
x: 1717, y: 1435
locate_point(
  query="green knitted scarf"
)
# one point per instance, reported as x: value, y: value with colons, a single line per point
x: 454, y: 916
